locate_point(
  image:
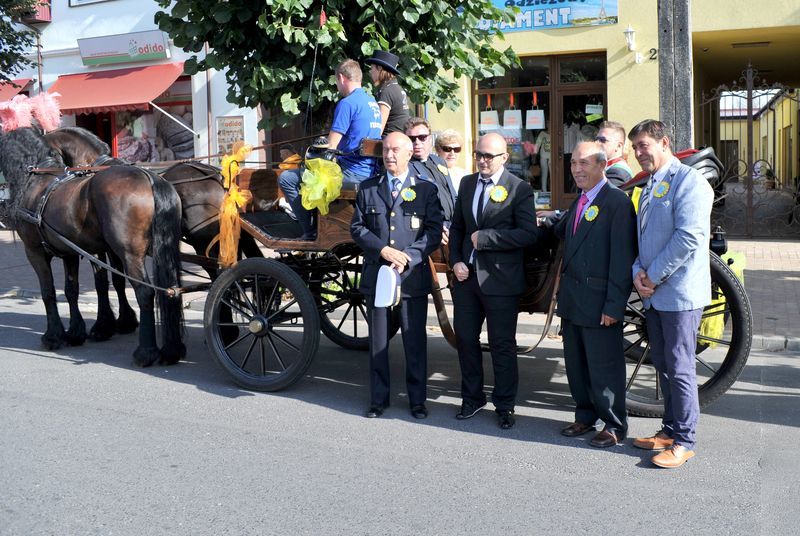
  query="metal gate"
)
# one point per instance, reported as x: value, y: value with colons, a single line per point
x: 753, y: 127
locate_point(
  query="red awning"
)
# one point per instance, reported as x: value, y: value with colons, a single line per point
x: 118, y: 90
x: 8, y: 91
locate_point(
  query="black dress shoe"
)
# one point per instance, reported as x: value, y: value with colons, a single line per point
x: 468, y: 409
x: 605, y: 439
x: 419, y: 411
x: 506, y: 419
x: 374, y: 412
x: 577, y: 428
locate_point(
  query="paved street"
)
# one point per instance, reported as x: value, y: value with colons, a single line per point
x: 91, y: 445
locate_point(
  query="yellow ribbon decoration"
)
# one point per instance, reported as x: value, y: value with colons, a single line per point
x: 322, y: 184
x: 235, y: 200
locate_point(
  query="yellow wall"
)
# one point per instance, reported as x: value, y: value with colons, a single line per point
x: 712, y: 15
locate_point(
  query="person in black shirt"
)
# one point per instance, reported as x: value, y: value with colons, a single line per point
x: 390, y: 96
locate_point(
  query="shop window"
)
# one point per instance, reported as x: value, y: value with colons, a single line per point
x: 154, y: 136
x: 582, y: 69
x: 534, y: 71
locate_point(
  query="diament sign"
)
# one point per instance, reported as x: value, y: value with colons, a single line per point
x: 124, y: 48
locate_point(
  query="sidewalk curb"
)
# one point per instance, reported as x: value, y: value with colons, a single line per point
x: 768, y: 343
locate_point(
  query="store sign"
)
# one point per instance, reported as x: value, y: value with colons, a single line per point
x: 230, y: 129
x: 124, y: 48
x: 546, y: 14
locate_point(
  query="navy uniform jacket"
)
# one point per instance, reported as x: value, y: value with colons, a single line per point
x: 509, y: 227
x: 414, y: 227
x: 435, y: 170
x: 596, y: 274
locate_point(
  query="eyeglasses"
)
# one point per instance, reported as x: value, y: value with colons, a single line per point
x: 601, y: 139
x: 450, y: 149
x: 485, y: 156
x: 421, y: 137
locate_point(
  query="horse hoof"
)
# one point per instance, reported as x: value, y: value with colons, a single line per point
x: 52, y: 343
x: 127, y: 323
x: 145, y: 357
x: 172, y: 353
x: 101, y: 333
x: 75, y: 338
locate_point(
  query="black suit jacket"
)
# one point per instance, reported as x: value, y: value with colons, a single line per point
x: 379, y: 221
x: 507, y: 227
x: 435, y: 170
x: 596, y: 271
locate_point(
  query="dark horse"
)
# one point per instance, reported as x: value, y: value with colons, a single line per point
x: 123, y: 210
x: 198, y: 185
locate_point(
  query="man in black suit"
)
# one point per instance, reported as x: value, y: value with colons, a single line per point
x: 493, y: 221
x: 429, y: 166
x: 599, y: 231
x: 397, y: 222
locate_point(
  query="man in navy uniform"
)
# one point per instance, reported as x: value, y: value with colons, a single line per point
x: 493, y: 221
x: 398, y: 222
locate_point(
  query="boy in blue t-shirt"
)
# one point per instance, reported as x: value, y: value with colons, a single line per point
x: 356, y: 117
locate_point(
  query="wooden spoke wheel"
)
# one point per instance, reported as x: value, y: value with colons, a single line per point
x: 723, y: 345
x: 269, y: 337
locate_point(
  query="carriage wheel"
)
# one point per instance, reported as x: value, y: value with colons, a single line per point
x: 723, y: 345
x: 275, y: 317
x: 343, y: 309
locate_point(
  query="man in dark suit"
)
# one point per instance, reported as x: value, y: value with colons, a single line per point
x: 599, y: 231
x: 429, y: 166
x: 493, y: 221
x: 398, y: 222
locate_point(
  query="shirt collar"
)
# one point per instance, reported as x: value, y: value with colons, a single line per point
x: 661, y: 173
x: 495, y: 176
x: 402, y: 177
x: 591, y: 194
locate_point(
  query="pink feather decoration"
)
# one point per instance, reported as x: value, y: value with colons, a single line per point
x: 46, y: 110
x: 15, y: 113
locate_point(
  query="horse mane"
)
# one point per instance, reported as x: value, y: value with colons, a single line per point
x: 71, y: 140
x: 21, y: 149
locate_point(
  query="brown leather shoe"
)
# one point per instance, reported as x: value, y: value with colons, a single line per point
x: 659, y: 441
x: 605, y: 439
x: 674, y: 456
x: 575, y: 429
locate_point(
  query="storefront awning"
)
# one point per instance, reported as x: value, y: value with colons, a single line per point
x: 8, y: 91
x: 118, y: 90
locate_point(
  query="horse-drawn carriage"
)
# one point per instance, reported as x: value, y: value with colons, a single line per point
x: 263, y: 316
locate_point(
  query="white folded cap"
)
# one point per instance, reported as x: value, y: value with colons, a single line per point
x: 387, y: 288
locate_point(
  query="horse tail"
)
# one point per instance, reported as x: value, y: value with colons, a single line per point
x: 166, y: 234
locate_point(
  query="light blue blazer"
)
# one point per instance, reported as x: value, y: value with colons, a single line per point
x: 673, y: 249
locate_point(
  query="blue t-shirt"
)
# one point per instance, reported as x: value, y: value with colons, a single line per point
x: 357, y: 116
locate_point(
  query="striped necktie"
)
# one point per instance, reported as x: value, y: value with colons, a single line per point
x: 395, y: 187
x: 644, y: 204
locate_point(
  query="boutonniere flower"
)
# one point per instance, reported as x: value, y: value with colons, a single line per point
x: 661, y: 189
x: 591, y: 213
x: 498, y: 194
x: 442, y: 168
x: 408, y: 194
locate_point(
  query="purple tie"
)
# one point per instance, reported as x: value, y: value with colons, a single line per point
x: 579, y: 212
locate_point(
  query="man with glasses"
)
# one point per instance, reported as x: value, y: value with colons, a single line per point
x: 612, y: 137
x: 493, y: 221
x: 431, y: 167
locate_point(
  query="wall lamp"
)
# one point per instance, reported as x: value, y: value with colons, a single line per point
x: 630, y: 40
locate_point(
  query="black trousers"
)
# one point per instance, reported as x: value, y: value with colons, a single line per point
x: 595, y: 364
x: 413, y: 317
x: 470, y: 308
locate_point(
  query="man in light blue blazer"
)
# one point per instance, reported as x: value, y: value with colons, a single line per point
x: 673, y: 277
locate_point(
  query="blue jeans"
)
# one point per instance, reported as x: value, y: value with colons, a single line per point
x: 673, y: 341
x: 290, y: 180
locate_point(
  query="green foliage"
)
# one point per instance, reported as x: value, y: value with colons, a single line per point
x: 15, y: 40
x: 268, y: 47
